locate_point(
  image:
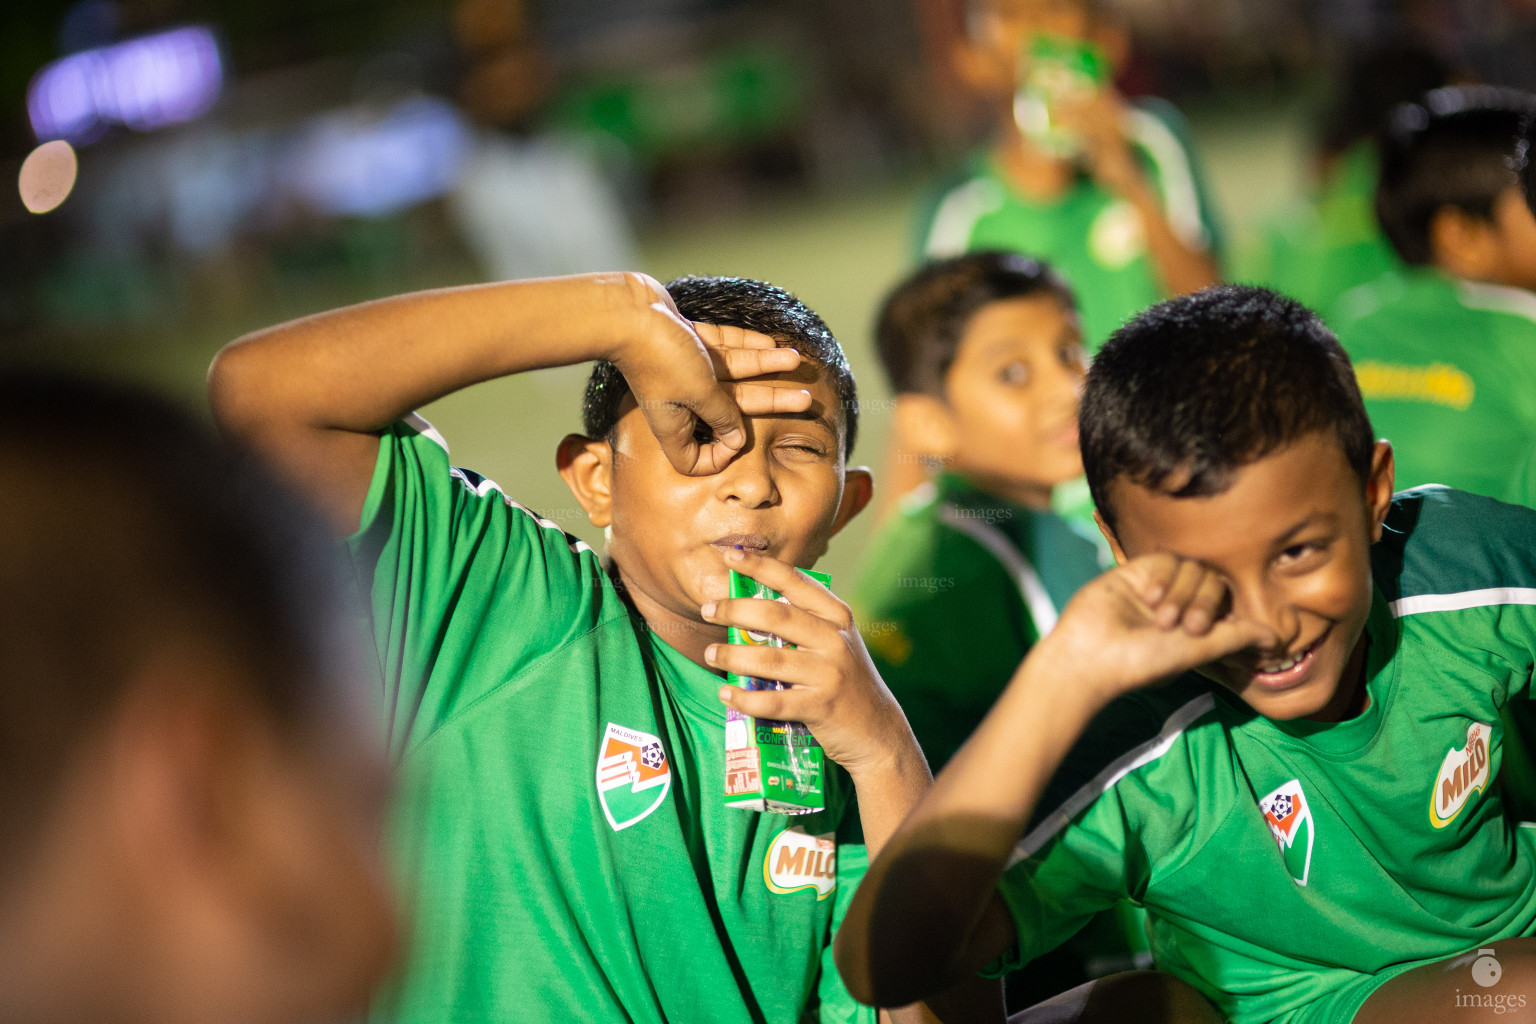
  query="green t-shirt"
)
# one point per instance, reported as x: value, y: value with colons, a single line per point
x: 1288, y: 867
x: 1318, y: 251
x: 1093, y: 239
x: 560, y: 828
x: 1448, y: 372
x: 956, y: 587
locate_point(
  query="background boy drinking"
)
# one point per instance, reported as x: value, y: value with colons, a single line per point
x: 1311, y: 819
x: 1103, y: 189
x: 560, y: 726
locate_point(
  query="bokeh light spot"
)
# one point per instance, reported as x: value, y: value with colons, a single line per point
x: 47, y: 176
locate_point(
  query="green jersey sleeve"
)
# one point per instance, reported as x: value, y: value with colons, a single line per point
x: 447, y: 564
x: 1112, y: 809
x: 1462, y: 569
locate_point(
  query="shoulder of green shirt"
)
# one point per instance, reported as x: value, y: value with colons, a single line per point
x: 948, y: 536
x: 1442, y: 549
x: 1130, y: 734
x: 1404, y: 291
x: 439, y: 548
x: 949, y: 212
x: 1462, y: 569
x: 1159, y: 130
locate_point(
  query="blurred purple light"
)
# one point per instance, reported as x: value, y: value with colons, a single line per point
x: 351, y: 163
x: 144, y: 83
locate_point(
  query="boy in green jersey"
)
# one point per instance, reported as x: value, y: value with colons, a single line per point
x: 986, y: 360
x: 1104, y: 190
x: 1311, y: 817
x: 1445, y: 349
x: 191, y: 785
x: 562, y: 827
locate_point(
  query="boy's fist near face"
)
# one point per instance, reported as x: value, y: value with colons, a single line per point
x: 1152, y: 618
x: 688, y: 380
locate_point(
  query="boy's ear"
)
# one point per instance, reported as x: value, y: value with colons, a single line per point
x: 586, y: 466
x: 1109, y: 536
x: 858, y: 488
x: 1464, y: 245
x: 1378, y: 486
x: 925, y: 427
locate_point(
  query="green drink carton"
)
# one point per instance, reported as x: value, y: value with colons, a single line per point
x: 1053, y: 68
x: 769, y: 765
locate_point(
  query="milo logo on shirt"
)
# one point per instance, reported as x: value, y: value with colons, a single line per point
x: 797, y: 860
x: 633, y: 775
x: 1463, y: 773
x: 1289, y: 817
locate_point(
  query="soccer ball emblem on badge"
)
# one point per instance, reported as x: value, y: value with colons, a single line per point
x: 652, y: 757
x: 1486, y: 971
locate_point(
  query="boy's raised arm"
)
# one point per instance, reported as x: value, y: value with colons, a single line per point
x: 312, y: 394
x: 927, y: 914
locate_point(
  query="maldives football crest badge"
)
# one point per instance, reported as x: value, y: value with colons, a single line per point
x: 1289, y: 817
x: 633, y: 775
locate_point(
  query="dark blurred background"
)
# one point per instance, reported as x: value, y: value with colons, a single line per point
x: 243, y: 163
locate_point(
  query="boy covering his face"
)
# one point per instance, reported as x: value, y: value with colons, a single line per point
x: 1277, y: 725
x: 560, y: 726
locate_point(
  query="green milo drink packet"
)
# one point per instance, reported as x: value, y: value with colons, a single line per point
x: 769, y: 765
x: 1053, y: 68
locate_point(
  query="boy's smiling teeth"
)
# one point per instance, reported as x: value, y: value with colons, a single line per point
x: 1274, y: 668
x: 1283, y: 665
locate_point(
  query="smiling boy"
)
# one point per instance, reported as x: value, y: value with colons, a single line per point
x: 559, y: 723
x: 1311, y: 819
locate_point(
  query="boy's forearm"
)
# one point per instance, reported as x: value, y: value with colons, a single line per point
x: 889, y: 790
x: 310, y: 394
x: 926, y: 915
x: 887, y: 794
x: 1181, y: 268
x: 362, y: 367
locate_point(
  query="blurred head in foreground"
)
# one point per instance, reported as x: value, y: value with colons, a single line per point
x: 190, y: 790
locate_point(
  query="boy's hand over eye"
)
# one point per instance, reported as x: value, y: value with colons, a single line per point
x: 693, y: 382
x: 1150, y: 619
x: 833, y: 686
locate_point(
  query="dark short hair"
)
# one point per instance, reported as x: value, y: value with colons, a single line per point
x: 924, y: 318
x: 1454, y: 148
x: 125, y: 524
x: 1198, y: 386
x: 752, y: 306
